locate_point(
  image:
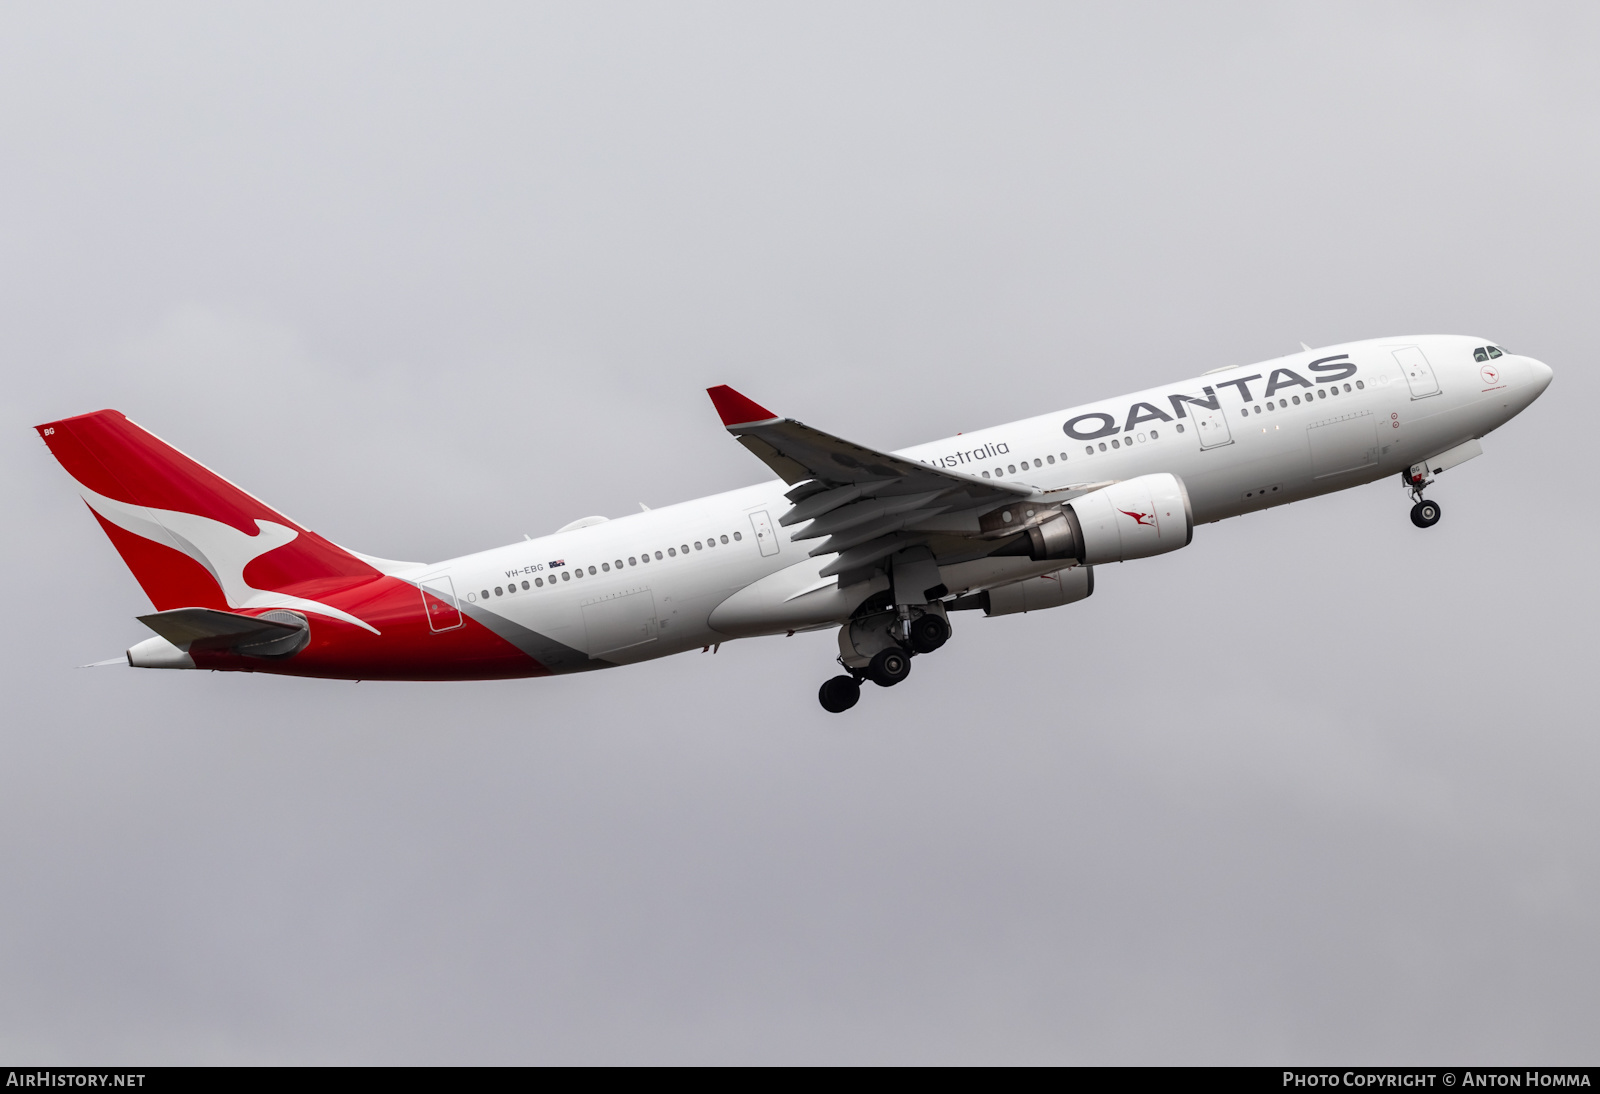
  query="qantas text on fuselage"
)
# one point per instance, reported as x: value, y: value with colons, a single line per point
x: 882, y: 547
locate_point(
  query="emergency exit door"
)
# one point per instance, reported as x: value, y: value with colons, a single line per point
x: 439, y: 602
x: 766, y: 538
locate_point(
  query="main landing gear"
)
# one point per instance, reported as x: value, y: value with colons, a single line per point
x: 879, y: 647
x: 839, y: 694
x: 1424, y: 514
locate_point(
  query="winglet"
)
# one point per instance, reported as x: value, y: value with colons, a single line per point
x: 735, y: 408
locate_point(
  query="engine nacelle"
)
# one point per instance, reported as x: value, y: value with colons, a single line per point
x: 1137, y: 518
x: 1035, y: 593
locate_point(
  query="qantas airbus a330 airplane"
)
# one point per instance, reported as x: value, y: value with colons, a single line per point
x: 883, y: 546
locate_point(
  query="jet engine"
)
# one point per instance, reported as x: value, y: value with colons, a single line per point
x: 1033, y: 594
x: 1136, y: 518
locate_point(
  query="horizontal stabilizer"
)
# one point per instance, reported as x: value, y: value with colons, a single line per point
x: 276, y: 634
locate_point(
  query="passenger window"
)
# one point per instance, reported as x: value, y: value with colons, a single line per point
x: 1283, y: 404
x: 632, y: 561
x: 724, y: 539
x: 1180, y: 427
x: 986, y: 474
x: 683, y: 547
x: 1360, y: 384
x: 1115, y: 443
x: 606, y: 566
x: 1322, y: 393
x: 1271, y: 405
x: 566, y: 575
x: 539, y: 581
x: 1063, y: 457
x: 1040, y: 463
x: 737, y: 537
x: 524, y: 586
x: 1244, y: 412
x: 1102, y: 447
x: 1494, y: 351
x: 673, y: 551
x: 1051, y: 459
x: 1347, y: 387
x: 697, y: 546
x: 1480, y: 354
x: 1154, y: 434
x: 486, y: 594
x: 591, y: 571
x: 658, y: 556
x: 1297, y: 400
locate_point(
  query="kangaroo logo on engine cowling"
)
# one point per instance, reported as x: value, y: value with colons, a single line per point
x: 1145, y: 519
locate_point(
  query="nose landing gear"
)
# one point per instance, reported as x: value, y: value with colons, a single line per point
x: 1424, y: 513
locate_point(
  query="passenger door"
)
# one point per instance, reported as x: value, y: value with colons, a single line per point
x: 1418, y: 372
x: 1210, y: 425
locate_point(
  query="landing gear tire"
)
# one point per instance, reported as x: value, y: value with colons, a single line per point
x: 928, y: 633
x: 1425, y: 514
x: 888, y: 667
x: 839, y: 694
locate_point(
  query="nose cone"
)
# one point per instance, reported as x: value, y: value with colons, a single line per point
x: 1542, y: 375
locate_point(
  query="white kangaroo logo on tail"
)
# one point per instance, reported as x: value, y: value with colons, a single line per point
x: 221, y: 548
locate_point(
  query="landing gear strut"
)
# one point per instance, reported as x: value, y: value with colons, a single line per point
x: 1424, y: 514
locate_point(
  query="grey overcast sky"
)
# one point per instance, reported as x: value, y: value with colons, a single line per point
x: 1318, y: 788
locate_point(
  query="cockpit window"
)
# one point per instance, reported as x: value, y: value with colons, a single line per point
x: 1481, y: 353
x: 1494, y: 351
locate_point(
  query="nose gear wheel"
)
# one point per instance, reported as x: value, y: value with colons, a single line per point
x: 1425, y: 514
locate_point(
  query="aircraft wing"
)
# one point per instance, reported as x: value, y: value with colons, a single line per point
x: 865, y: 505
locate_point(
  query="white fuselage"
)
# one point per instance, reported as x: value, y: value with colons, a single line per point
x: 721, y: 567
